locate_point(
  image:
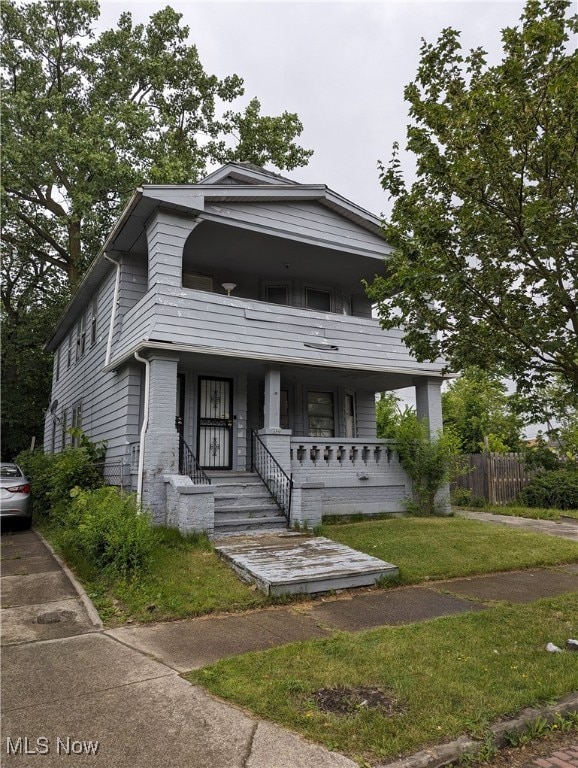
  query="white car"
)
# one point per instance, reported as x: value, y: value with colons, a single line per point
x: 15, y: 494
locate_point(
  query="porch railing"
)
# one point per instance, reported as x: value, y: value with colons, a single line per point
x: 312, y: 453
x: 188, y: 465
x: 278, y: 482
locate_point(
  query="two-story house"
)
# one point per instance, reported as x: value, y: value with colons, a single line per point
x: 223, y: 328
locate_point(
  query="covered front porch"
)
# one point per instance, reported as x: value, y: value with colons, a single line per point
x: 313, y: 425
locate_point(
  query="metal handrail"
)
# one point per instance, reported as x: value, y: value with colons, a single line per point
x: 188, y: 465
x: 278, y: 482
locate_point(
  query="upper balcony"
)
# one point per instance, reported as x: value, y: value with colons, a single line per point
x: 215, y: 324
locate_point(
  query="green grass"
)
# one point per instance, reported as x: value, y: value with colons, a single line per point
x: 449, y: 675
x: 531, y: 512
x: 441, y: 548
x: 186, y: 578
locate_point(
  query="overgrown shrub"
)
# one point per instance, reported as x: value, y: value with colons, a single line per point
x: 429, y: 462
x: 53, y: 475
x: 108, y: 528
x: 464, y: 497
x: 557, y: 489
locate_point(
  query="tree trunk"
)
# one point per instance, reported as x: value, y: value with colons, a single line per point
x: 74, y: 252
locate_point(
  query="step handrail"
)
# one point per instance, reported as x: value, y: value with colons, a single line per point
x: 276, y: 480
x: 189, y: 466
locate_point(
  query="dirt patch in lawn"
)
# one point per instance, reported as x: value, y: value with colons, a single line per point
x: 347, y: 701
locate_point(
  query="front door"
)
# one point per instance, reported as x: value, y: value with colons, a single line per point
x: 215, y: 437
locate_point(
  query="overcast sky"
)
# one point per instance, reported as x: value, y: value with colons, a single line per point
x: 341, y: 66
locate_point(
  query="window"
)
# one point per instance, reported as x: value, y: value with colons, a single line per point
x: 284, y: 409
x: 63, y: 428
x: 321, y: 414
x: 57, y: 364
x: 69, y: 351
x: 346, y: 305
x: 93, y: 315
x: 197, y: 282
x: 277, y: 294
x: 81, y: 336
x: 350, y: 429
x: 320, y: 300
x: 76, y: 422
x: 53, y: 437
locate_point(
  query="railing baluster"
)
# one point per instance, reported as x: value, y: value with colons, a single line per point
x: 188, y: 465
x: 278, y: 482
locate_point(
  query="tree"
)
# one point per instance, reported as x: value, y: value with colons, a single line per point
x: 88, y: 118
x: 477, y: 407
x: 32, y: 299
x: 485, y: 265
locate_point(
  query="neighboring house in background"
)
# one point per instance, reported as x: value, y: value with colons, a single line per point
x: 230, y: 306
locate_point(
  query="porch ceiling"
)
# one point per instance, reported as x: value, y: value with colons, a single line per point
x: 276, y: 258
x: 359, y: 380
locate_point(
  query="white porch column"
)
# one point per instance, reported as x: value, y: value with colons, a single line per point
x: 161, y: 447
x: 428, y: 400
x: 272, y: 409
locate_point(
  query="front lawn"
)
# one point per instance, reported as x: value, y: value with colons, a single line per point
x: 442, y: 548
x: 437, y: 679
x: 187, y: 578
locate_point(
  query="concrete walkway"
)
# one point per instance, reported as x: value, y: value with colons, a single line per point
x: 567, y: 528
x: 71, y: 689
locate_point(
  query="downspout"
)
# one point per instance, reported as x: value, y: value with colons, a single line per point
x: 114, y: 306
x: 145, y: 423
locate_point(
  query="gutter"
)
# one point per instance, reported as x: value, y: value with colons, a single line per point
x: 114, y: 308
x: 145, y: 423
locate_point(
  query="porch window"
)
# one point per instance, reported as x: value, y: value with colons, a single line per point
x: 319, y: 300
x: 76, y: 422
x: 277, y: 294
x: 346, y: 305
x: 321, y: 414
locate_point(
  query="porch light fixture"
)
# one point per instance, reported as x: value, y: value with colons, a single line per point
x: 229, y: 287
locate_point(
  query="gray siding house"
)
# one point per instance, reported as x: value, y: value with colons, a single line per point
x: 223, y: 328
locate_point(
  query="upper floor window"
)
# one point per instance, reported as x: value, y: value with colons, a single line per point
x: 57, y: 364
x: 81, y: 338
x: 197, y: 282
x: 346, y: 305
x: 69, y: 350
x: 93, y: 315
x: 277, y: 294
x: 319, y: 300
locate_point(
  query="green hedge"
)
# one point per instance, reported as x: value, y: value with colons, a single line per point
x: 557, y: 489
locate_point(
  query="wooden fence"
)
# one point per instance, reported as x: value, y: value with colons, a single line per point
x: 495, y: 477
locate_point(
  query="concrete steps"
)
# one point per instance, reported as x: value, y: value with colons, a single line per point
x: 243, y: 504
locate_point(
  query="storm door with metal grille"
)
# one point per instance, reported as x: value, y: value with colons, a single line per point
x: 215, y: 440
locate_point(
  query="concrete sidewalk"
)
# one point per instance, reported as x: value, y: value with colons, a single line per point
x: 73, y: 695
x: 68, y: 686
x: 567, y: 528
